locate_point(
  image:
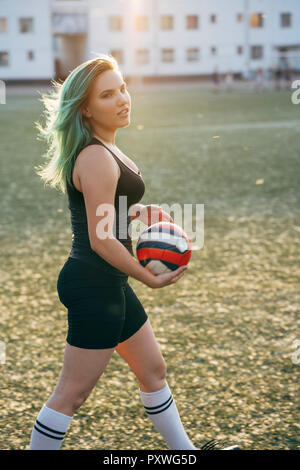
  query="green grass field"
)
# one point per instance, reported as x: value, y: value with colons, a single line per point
x: 226, y: 329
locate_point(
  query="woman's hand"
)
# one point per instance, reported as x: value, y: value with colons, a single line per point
x: 165, y: 279
x: 151, y: 214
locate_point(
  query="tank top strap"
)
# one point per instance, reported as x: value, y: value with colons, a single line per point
x: 117, y: 159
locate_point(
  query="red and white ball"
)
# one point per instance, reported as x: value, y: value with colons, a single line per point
x: 163, y: 247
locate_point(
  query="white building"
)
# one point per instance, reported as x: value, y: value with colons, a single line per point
x: 26, y: 40
x: 70, y: 33
x: 184, y: 37
x: 151, y: 38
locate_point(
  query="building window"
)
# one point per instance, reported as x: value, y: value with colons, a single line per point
x: 115, y: 23
x: 118, y: 55
x: 256, y: 52
x: 3, y: 25
x: 239, y: 17
x: 26, y: 25
x: 30, y: 55
x: 213, y: 18
x: 4, y: 58
x: 192, y: 22
x: 286, y: 20
x: 167, y: 55
x: 141, y: 23
x: 192, y: 54
x: 257, y: 20
x: 142, y: 56
x: 240, y: 50
x: 213, y: 50
x: 166, y: 22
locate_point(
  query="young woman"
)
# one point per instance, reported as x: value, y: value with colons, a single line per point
x: 104, y: 314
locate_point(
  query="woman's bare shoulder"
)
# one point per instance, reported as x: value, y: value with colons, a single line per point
x: 91, y: 157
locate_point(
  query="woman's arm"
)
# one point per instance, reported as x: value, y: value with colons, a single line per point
x: 98, y: 174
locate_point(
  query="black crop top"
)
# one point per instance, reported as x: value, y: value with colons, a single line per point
x: 130, y: 184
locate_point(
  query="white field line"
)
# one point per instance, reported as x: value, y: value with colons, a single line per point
x: 223, y: 127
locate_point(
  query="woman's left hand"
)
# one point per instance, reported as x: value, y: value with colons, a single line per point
x: 152, y: 214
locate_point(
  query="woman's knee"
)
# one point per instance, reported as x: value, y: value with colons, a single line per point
x: 162, y: 371
x: 158, y: 369
x: 68, y: 401
x: 155, y: 374
x: 79, y: 399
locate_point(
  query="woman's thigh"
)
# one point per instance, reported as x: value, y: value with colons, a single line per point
x: 135, y: 315
x: 81, y: 371
x: 82, y: 368
x: 96, y: 316
x: 142, y: 352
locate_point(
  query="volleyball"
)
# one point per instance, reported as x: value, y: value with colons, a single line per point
x: 163, y: 247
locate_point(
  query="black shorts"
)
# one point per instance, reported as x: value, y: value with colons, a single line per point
x: 102, y: 310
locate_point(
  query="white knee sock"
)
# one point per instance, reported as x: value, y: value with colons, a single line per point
x: 161, y: 409
x: 49, y: 430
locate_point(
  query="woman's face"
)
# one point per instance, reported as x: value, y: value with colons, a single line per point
x: 108, y: 97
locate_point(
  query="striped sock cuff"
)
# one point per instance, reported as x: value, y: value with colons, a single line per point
x: 153, y: 410
x: 49, y: 432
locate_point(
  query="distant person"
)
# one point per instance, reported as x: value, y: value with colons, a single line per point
x: 287, y: 77
x: 268, y: 78
x: 104, y: 313
x: 278, y: 76
x: 228, y: 81
x: 282, y: 67
x: 259, y: 80
x: 216, y: 80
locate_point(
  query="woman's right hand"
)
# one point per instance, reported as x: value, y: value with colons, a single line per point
x: 165, y: 279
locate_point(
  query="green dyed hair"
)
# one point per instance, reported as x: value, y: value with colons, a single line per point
x: 66, y: 130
